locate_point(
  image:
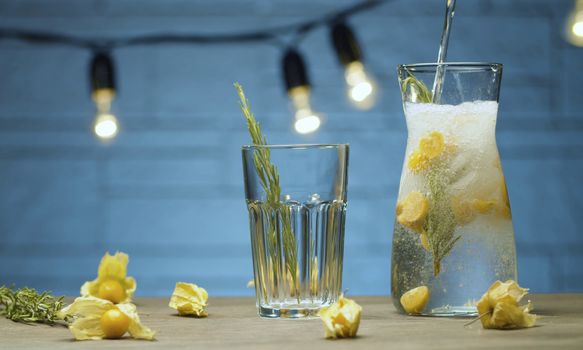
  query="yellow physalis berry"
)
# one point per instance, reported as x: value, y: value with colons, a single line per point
x: 432, y: 145
x: 111, y: 290
x: 462, y: 210
x: 483, y: 206
x: 414, y: 301
x: 114, y: 323
x: 112, y: 282
x: 417, y: 162
x: 412, y: 211
x: 424, y: 241
x: 95, y: 318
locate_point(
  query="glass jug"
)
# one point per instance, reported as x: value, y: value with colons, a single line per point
x: 453, y: 230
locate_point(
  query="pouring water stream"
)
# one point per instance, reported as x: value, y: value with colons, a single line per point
x: 440, y: 71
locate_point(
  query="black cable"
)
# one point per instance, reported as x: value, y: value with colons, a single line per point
x: 45, y: 38
x: 299, y: 30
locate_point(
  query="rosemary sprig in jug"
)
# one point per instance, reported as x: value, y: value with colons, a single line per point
x: 440, y: 225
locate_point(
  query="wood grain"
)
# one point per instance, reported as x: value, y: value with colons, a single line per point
x: 233, y: 323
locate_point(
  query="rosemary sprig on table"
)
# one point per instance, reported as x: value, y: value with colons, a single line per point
x: 269, y: 178
x: 422, y: 92
x: 26, y: 305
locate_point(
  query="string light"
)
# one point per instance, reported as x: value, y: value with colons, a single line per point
x: 360, y: 86
x: 105, y: 125
x: 297, y: 85
x: 574, y: 28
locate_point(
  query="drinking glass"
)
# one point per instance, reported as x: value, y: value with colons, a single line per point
x: 296, y: 198
x: 453, y: 231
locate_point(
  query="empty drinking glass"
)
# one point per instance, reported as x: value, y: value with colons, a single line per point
x: 296, y: 197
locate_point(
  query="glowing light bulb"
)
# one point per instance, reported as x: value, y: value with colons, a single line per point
x: 105, y: 126
x: 578, y: 28
x: 306, y: 120
x: 307, y: 124
x: 361, y: 89
x: 574, y: 28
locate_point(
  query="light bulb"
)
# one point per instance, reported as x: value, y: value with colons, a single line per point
x: 306, y: 120
x: 103, y: 99
x: 361, y: 89
x: 105, y: 126
x: 578, y: 28
x: 574, y: 29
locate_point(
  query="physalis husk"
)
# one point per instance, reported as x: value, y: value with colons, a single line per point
x: 95, y: 318
x: 111, y: 283
x: 498, y: 308
x: 189, y: 300
x: 341, y: 319
x: 414, y: 300
x: 412, y: 211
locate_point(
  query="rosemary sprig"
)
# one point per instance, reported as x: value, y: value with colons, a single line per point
x: 440, y: 225
x: 422, y: 93
x: 26, y: 305
x: 269, y: 178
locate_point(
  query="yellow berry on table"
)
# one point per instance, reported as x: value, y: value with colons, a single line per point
x: 114, y: 323
x: 414, y: 300
x: 111, y: 290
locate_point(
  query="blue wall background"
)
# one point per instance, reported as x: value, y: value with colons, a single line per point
x: 169, y: 190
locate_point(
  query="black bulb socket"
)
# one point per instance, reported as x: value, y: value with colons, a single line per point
x: 345, y: 43
x: 102, y: 72
x: 294, y: 70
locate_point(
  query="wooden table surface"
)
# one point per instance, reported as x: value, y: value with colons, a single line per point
x: 233, y: 323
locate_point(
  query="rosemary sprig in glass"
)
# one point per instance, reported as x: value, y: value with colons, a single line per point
x: 269, y: 178
x: 26, y: 305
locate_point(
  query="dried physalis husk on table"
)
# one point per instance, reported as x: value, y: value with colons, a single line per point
x: 499, y: 309
x: 341, y: 319
x: 95, y: 318
x: 189, y: 300
x: 112, y: 282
